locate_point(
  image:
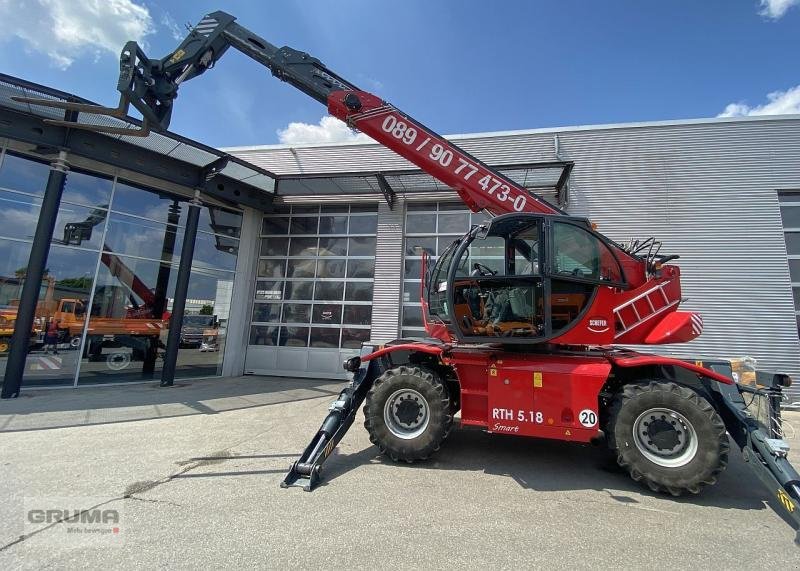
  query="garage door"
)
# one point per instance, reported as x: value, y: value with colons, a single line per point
x: 314, y: 287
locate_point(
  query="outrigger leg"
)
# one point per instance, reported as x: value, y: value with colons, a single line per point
x: 762, y: 444
x: 306, y: 471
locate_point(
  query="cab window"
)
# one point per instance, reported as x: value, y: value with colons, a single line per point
x: 525, y: 245
x: 579, y: 254
x: 484, y: 257
x: 437, y: 284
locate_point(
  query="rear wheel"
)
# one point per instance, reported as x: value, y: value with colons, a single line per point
x: 668, y: 437
x: 4, y: 345
x: 407, y: 413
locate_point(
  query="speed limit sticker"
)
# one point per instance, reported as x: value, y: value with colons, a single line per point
x: 588, y: 417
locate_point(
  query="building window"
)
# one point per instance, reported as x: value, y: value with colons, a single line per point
x: 314, y: 280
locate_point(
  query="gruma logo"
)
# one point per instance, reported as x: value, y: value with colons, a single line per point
x: 598, y: 324
x: 75, y: 521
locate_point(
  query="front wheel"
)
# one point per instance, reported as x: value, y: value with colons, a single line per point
x: 408, y: 413
x: 668, y: 437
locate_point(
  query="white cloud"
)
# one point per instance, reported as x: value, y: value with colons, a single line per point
x: 329, y: 130
x: 370, y: 82
x: 170, y: 24
x: 778, y: 103
x: 65, y: 29
x: 775, y: 9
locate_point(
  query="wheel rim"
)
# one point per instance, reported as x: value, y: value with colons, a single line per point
x: 406, y: 414
x: 665, y: 437
x: 118, y: 361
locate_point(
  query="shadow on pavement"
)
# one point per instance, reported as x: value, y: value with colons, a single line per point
x: 45, y: 409
x: 543, y: 465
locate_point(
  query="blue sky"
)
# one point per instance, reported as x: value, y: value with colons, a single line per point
x: 458, y: 66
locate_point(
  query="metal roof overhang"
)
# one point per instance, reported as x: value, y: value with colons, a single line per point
x: 165, y: 156
x: 540, y: 178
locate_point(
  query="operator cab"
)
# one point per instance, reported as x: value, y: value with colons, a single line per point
x: 520, y: 278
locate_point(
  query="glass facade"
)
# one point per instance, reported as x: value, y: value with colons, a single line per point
x: 104, y: 305
x: 314, y: 278
x: 429, y: 227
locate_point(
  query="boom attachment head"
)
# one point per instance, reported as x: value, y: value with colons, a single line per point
x: 151, y: 85
x: 140, y: 84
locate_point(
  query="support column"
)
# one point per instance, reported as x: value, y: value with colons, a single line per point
x: 37, y: 262
x: 162, y: 283
x: 181, y: 289
x: 244, y: 285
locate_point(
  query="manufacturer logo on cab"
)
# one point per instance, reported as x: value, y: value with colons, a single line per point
x: 598, y: 324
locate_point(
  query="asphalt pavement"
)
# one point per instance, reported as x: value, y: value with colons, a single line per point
x: 189, y: 477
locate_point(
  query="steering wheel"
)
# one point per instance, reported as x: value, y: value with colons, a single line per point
x: 484, y: 270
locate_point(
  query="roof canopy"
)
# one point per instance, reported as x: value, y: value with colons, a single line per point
x: 238, y: 181
x: 549, y: 179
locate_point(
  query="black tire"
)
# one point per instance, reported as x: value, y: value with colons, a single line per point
x: 679, y: 466
x: 398, y: 385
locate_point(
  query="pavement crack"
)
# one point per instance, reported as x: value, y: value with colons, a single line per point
x: 186, y: 466
x: 135, y: 488
x: 143, y: 486
x: 153, y: 501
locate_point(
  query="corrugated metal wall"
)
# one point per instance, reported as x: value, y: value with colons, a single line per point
x: 388, y: 274
x: 707, y: 189
x: 709, y: 193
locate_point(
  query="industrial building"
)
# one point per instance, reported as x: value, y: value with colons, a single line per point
x: 302, y: 253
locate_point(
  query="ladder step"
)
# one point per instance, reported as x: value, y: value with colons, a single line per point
x: 653, y: 310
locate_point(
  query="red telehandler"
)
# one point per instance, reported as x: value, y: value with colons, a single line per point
x: 520, y: 312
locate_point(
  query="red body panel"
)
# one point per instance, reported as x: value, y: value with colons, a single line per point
x: 642, y: 315
x: 633, y: 359
x: 539, y: 395
x: 549, y: 396
x: 676, y: 327
x: 596, y: 327
x: 421, y: 347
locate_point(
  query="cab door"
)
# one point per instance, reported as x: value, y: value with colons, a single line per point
x: 498, y: 291
x: 579, y: 262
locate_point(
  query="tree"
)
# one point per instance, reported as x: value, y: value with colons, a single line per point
x: 207, y: 310
x: 83, y: 282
